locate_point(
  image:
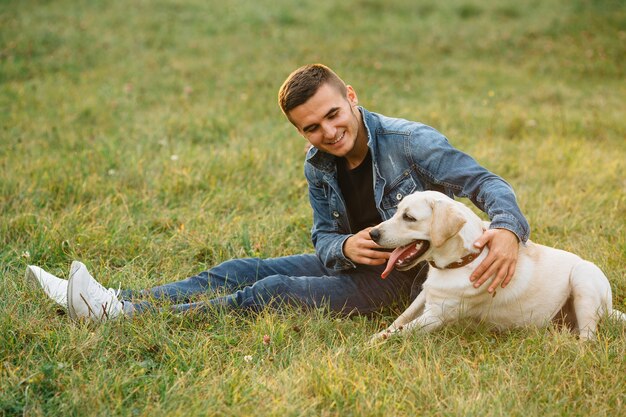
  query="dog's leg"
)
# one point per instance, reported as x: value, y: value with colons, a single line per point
x: 591, y: 293
x: 432, y: 319
x: 414, y: 310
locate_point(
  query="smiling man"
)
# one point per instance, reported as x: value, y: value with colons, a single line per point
x: 359, y: 167
x: 408, y: 157
x: 331, y: 123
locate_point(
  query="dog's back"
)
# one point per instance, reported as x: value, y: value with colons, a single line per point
x: 546, y: 279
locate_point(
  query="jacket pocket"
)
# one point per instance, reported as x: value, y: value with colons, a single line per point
x: 395, y: 194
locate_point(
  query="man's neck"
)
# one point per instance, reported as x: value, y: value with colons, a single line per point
x: 359, y: 152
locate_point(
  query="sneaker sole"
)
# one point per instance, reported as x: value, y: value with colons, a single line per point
x: 70, y: 293
x: 31, y: 277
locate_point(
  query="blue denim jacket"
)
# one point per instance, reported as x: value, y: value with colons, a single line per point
x: 406, y: 156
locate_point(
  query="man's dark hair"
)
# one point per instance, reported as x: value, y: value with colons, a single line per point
x: 304, y: 82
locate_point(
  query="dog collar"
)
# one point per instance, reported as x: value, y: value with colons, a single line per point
x: 464, y: 261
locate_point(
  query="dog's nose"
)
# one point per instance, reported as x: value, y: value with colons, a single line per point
x: 375, y: 234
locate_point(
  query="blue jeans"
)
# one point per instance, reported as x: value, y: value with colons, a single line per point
x: 300, y: 280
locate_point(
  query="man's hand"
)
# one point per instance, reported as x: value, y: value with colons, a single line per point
x: 500, y: 262
x: 361, y: 249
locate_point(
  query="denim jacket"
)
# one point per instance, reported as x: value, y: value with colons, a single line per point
x: 406, y: 157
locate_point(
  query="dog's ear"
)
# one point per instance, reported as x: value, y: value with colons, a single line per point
x: 446, y: 222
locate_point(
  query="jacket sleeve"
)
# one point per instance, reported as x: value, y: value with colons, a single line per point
x: 327, y: 239
x: 460, y: 175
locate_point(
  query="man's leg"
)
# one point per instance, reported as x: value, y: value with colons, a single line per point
x: 230, y: 276
x: 298, y: 280
x: 355, y: 291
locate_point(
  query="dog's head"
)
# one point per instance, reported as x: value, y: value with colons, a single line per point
x: 426, y: 224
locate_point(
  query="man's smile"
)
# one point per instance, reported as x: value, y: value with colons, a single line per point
x: 337, y: 140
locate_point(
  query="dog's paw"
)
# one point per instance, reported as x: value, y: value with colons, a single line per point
x: 381, y: 336
x: 378, y: 338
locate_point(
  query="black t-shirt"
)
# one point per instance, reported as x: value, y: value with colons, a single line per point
x: 357, y: 187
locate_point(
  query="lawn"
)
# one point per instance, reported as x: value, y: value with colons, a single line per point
x: 144, y: 138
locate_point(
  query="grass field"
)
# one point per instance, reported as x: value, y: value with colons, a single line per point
x: 144, y: 138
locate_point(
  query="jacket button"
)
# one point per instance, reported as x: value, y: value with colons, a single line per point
x: 335, y: 214
x: 398, y: 196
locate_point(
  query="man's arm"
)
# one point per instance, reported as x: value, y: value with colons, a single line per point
x: 327, y: 240
x: 462, y: 176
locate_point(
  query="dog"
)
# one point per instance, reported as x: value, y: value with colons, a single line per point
x: 549, y: 284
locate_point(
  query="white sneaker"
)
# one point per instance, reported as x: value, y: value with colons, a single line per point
x: 86, y: 298
x: 54, y: 287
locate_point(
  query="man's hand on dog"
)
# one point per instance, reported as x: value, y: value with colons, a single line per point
x: 500, y: 262
x: 361, y: 249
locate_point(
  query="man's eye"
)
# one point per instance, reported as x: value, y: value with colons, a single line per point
x: 407, y: 217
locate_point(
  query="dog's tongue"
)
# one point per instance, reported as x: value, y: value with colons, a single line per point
x: 395, y: 255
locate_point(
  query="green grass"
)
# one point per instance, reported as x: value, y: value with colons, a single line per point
x: 144, y: 138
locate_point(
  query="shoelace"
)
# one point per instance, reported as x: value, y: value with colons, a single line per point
x: 107, y: 306
x: 110, y: 291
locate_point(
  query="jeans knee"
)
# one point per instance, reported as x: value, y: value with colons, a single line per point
x: 234, y: 266
x: 201, y: 280
x: 234, y: 273
x: 272, y: 286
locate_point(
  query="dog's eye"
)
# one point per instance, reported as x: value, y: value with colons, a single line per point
x: 407, y: 217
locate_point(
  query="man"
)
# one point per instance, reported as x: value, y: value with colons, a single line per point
x: 359, y: 167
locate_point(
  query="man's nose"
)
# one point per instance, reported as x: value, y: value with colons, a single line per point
x: 329, y: 130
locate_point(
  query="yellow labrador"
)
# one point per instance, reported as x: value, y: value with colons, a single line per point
x: 548, y: 285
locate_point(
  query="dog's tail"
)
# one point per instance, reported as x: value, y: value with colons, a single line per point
x: 617, y: 315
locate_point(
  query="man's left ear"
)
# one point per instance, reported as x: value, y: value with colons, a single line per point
x: 352, y: 97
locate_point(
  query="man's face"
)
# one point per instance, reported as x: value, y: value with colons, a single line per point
x: 330, y: 121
